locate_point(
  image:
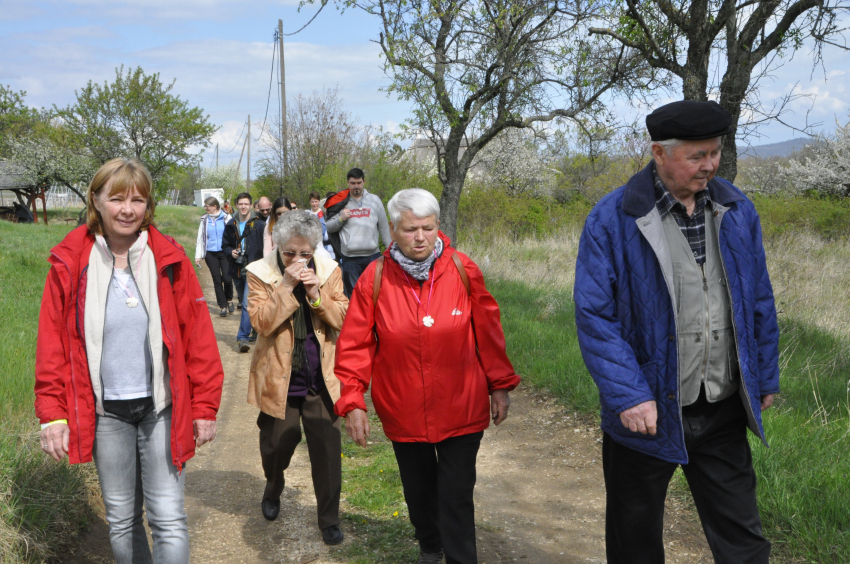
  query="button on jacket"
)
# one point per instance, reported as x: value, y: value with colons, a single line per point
x: 625, y: 309
x: 428, y: 383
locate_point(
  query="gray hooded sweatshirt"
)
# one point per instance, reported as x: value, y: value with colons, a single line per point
x: 358, y: 235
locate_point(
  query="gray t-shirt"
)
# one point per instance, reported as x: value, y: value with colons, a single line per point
x: 125, y: 366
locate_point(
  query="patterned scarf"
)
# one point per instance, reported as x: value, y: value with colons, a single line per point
x: 299, y: 322
x: 419, y: 270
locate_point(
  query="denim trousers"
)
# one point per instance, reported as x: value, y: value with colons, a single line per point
x: 134, y: 466
x: 245, y: 320
x: 352, y: 268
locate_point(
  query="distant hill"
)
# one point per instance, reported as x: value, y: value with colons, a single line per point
x: 781, y: 149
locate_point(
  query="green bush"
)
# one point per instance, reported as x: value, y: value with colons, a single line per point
x: 827, y: 217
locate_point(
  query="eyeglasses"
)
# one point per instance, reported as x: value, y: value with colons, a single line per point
x: 293, y: 254
x: 265, y: 210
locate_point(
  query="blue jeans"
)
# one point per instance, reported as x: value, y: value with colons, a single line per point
x: 134, y: 467
x: 245, y: 320
x: 352, y: 268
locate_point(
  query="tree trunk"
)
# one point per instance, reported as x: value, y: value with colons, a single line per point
x: 728, y: 168
x: 449, y: 201
x: 733, y: 89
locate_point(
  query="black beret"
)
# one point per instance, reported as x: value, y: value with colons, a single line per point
x: 689, y: 120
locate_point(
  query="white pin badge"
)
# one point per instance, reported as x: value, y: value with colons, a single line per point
x: 428, y: 321
x: 132, y: 302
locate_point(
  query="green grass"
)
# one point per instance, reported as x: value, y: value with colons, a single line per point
x: 41, y: 503
x: 804, y: 478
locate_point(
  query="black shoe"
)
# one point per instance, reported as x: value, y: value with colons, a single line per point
x: 243, y: 346
x: 252, y: 338
x: 430, y: 557
x: 239, y: 305
x: 270, y: 508
x: 332, y: 535
x: 223, y: 312
x: 230, y: 307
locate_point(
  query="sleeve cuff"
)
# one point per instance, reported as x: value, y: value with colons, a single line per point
x: 46, y: 425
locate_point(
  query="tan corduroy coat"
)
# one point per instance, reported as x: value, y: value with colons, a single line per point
x: 271, y: 306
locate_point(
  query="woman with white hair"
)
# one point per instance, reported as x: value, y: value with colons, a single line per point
x: 296, y: 303
x: 439, y: 374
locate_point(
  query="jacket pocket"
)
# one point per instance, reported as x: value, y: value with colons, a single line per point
x: 649, y: 371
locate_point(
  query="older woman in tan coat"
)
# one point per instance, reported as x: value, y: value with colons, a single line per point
x: 297, y: 305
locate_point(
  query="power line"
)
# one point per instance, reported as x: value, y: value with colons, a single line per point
x: 308, y: 23
x: 269, y: 99
x: 238, y: 138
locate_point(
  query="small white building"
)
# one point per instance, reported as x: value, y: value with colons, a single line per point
x: 201, y: 195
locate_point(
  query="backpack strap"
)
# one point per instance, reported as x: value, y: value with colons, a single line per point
x: 462, y: 271
x: 376, y: 285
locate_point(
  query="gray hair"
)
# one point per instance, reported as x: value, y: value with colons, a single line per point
x: 297, y: 223
x: 417, y: 201
x: 668, y: 144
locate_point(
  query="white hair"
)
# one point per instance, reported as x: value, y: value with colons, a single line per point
x: 668, y: 144
x: 297, y: 223
x: 417, y: 201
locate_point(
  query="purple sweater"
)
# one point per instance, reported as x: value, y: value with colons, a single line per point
x: 310, y: 375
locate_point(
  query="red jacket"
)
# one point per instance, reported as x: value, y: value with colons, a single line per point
x: 428, y: 383
x: 63, y: 388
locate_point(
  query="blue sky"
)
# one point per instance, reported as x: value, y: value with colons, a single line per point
x: 220, y: 53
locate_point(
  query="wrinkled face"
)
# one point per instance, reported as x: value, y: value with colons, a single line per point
x: 356, y: 187
x: 121, y: 214
x: 300, y: 246
x: 689, y: 166
x: 314, y: 204
x: 415, y: 236
x: 244, y: 206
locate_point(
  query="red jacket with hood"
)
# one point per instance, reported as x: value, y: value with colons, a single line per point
x: 428, y: 383
x: 63, y: 387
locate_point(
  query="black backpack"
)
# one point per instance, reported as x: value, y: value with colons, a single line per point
x: 333, y: 207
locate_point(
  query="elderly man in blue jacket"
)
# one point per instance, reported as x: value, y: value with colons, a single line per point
x: 677, y: 325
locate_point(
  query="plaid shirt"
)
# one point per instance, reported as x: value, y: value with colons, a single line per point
x: 693, y: 227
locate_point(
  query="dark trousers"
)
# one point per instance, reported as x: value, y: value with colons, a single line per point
x: 721, y: 478
x: 219, y: 265
x: 352, y: 268
x: 438, y: 481
x: 279, y: 437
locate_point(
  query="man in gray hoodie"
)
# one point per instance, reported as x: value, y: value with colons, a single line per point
x: 359, y: 224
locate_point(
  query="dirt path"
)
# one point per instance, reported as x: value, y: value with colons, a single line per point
x: 539, y: 498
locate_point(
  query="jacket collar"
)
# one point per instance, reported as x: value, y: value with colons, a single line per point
x: 639, y: 193
x: 267, y: 271
x: 439, y: 264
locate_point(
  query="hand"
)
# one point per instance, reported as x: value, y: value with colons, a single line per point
x: 311, y: 283
x: 235, y: 253
x: 344, y: 214
x: 198, y: 262
x: 641, y: 418
x: 357, y: 426
x: 55, y: 439
x: 292, y: 274
x: 767, y: 401
x: 204, y: 431
x: 500, y: 402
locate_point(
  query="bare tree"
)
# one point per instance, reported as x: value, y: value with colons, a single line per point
x: 474, y: 68
x: 747, y: 38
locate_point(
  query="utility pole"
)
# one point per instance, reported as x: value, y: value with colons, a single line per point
x: 248, y: 167
x: 283, y: 128
x: 216, y: 156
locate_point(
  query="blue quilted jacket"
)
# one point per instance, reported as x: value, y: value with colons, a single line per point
x: 626, y: 320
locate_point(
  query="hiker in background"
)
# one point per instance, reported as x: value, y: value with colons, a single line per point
x: 116, y: 378
x: 208, y: 248
x: 677, y: 325
x: 316, y: 209
x: 359, y: 224
x: 226, y: 207
x: 279, y: 207
x: 243, y: 241
x: 264, y: 208
x: 297, y: 304
x: 439, y: 375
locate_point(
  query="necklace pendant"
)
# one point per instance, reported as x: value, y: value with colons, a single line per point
x: 428, y: 321
x: 132, y: 302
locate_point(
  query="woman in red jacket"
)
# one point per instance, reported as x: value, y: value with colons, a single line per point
x: 440, y: 371
x: 127, y: 367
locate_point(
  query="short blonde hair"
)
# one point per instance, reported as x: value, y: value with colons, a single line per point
x: 125, y: 175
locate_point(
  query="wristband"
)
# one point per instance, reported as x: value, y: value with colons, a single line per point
x: 317, y: 303
x: 46, y: 425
